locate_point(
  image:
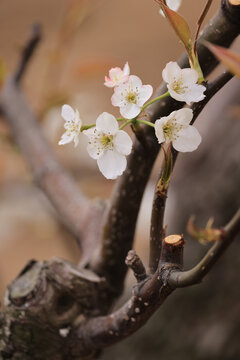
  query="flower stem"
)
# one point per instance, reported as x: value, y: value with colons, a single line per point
x: 145, y: 122
x: 86, y: 127
x: 154, y: 100
x: 126, y: 123
x: 120, y: 119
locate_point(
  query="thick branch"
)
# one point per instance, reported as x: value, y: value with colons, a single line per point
x: 120, y: 221
x: 106, y: 330
x: 195, y: 275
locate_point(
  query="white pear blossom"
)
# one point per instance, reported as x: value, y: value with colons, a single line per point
x: 131, y: 96
x: 175, y: 128
x: 109, y: 146
x: 117, y: 76
x: 72, y: 125
x: 182, y: 83
x: 173, y: 5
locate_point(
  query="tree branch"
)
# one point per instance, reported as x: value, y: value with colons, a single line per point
x: 103, y: 331
x: 120, y: 219
x: 135, y: 263
x: 195, y: 275
x: 81, y: 217
x: 212, y: 89
x: 157, y: 230
x: 148, y: 295
x: 28, y: 51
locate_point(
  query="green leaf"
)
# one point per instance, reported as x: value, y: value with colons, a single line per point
x: 229, y: 58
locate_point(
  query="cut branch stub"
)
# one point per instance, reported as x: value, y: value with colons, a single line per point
x: 231, y: 9
x: 172, y: 251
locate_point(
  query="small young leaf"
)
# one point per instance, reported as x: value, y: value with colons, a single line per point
x: 229, y: 58
x: 204, y: 236
x: 180, y: 26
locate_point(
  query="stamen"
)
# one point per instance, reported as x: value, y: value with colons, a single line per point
x: 178, y: 87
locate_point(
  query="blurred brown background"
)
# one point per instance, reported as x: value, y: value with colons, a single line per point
x: 82, y: 40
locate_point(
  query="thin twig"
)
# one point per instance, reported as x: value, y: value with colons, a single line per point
x: 195, y: 275
x: 120, y: 220
x: 135, y: 263
x: 200, y: 21
x: 212, y: 89
x: 157, y: 231
x: 28, y: 51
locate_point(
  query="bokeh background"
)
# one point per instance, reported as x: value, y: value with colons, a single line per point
x: 82, y: 40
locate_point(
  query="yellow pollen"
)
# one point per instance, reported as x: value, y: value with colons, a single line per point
x: 131, y: 98
x: 72, y: 126
x: 178, y: 87
x: 171, y: 129
x: 106, y: 141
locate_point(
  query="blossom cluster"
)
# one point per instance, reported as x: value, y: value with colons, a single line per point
x: 109, y: 144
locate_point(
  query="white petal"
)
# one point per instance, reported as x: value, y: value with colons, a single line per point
x: 108, y: 82
x: 92, y: 132
x: 130, y: 111
x: 189, y: 76
x: 107, y: 123
x: 77, y: 119
x: 175, y: 95
x: 123, y: 142
x: 196, y: 94
x: 159, y: 129
x: 66, y: 138
x: 76, y: 140
x: 115, y: 73
x: 126, y: 69
x: 94, y: 150
x: 112, y: 164
x: 118, y: 98
x: 188, y: 140
x: 174, y: 4
x: 183, y: 116
x: 67, y: 112
x: 134, y: 82
x: 171, y: 71
x: 144, y: 94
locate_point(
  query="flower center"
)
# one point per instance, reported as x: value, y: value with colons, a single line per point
x: 107, y: 141
x: 131, y: 97
x: 171, y: 129
x: 72, y: 126
x: 178, y: 87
